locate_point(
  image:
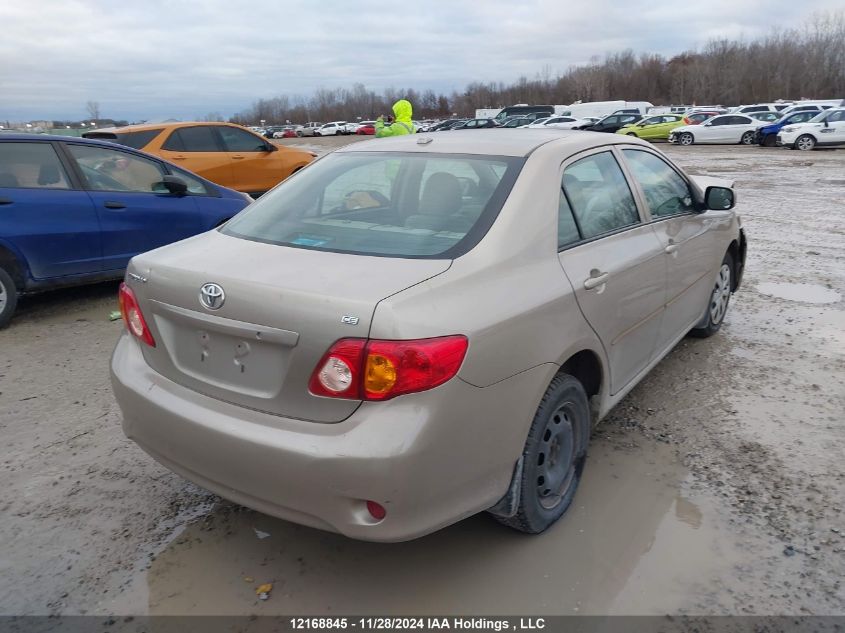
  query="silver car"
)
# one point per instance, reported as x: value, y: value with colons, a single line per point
x: 415, y: 329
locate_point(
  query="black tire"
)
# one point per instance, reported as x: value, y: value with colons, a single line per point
x: 747, y: 138
x: 805, y: 142
x: 686, y: 138
x: 553, y: 457
x: 299, y: 133
x: 8, y: 298
x: 719, y: 300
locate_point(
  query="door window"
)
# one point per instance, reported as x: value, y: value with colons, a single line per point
x: 31, y: 165
x: 665, y: 191
x: 599, y: 195
x: 199, y: 138
x: 113, y: 170
x: 567, y: 230
x: 235, y: 140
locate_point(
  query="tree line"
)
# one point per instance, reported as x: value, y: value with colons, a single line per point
x: 805, y: 62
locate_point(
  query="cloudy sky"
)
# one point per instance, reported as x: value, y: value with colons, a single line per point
x: 184, y: 58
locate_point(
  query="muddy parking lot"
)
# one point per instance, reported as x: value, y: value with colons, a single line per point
x: 716, y: 487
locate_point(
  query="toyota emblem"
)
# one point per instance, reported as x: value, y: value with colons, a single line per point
x: 212, y: 296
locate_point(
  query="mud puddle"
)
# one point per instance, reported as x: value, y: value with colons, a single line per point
x: 633, y: 542
x: 805, y: 293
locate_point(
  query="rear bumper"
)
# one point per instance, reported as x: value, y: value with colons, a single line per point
x: 430, y: 459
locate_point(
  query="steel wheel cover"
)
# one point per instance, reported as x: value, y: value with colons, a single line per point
x: 721, y: 295
x: 556, y: 459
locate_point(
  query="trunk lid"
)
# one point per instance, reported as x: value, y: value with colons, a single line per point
x: 283, y: 308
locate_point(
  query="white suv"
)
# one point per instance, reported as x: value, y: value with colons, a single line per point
x: 826, y: 129
x: 334, y: 128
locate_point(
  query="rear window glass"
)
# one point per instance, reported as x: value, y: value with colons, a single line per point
x: 384, y: 203
x: 137, y: 140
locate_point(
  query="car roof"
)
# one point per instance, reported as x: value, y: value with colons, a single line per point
x: 489, y: 142
x: 46, y: 138
x: 167, y: 126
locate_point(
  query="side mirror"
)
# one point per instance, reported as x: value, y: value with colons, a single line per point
x: 719, y: 198
x: 173, y: 185
x: 270, y: 147
x: 826, y: 124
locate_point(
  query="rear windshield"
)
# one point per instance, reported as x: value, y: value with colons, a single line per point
x: 387, y: 204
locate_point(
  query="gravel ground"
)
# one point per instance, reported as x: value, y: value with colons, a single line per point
x: 716, y: 487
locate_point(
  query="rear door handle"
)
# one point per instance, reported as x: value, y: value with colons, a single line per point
x: 178, y: 157
x: 114, y: 205
x: 6, y: 201
x: 594, y: 281
x: 671, y: 248
x: 238, y: 157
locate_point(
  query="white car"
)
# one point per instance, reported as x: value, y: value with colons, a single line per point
x: 335, y: 128
x: 725, y: 128
x: 826, y: 129
x: 560, y: 123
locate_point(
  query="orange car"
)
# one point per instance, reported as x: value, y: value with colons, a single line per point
x: 227, y: 154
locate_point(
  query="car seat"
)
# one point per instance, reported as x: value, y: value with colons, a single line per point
x: 441, y: 199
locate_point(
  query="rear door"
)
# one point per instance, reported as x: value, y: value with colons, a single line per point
x: 133, y: 218
x: 44, y: 213
x: 613, y: 260
x: 255, y: 167
x: 198, y: 149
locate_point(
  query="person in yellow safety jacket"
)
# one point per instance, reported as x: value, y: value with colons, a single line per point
x: 402, y: 125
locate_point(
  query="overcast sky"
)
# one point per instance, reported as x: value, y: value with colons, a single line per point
x: 163, y: 58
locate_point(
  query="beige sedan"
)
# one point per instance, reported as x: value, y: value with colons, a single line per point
x: 416, y: 329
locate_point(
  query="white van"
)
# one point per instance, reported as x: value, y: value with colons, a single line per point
x: 601, y: 108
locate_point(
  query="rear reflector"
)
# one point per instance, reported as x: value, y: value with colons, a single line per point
x: 362, y: 369
x: 132, y: 315
x: 376, y: 510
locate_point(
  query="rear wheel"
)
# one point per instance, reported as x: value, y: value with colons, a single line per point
x: 805, y: 142
x: 720, y: 299
x: 553, y: 457
x: 8, y: 297
x: 685, y: 139
x: 747, y: 138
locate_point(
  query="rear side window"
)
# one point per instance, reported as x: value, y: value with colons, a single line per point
x: 599, y: 195
x: 31, y: 165
x: 137, y: 140
x: 200, y: 138
x: 384, y: 203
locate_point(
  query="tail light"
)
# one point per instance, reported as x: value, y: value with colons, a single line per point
x: 362, y: 369
x: 687, y: 120
x: 132, y: 315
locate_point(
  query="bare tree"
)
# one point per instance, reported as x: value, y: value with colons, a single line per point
x: 93, y: 108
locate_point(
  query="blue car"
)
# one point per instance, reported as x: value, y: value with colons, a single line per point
x: 74, y: 211
x: 767, y: 135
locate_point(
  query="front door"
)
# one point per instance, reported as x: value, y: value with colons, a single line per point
x: 614, y: 262
x: 255, y: 167
x: 687, y: 243
x: 133, y: 217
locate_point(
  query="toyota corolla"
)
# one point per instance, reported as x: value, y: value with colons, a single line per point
x: 413, y: 330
